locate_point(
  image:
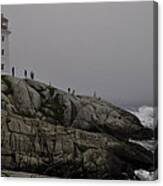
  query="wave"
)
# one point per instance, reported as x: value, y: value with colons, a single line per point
x: 146, y: 115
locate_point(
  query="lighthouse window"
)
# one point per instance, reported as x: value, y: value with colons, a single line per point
x: 3, y: 38
x: 2, y: 66
x: 2, y: 52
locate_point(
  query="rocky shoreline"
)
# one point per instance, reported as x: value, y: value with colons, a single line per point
x: 46, y: 131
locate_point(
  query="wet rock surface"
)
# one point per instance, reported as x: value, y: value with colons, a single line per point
x: 50, y: 132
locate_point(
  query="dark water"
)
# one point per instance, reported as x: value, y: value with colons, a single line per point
x: 146, y: 115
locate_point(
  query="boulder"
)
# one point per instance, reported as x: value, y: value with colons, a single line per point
x: 66, y: 152
x: 82, y: 112
x: 22, y: 99
x: 4, y: 87
x: 35, y: 98
x: 20, y: 95
x: 36, y: 85
x: 98, y: 115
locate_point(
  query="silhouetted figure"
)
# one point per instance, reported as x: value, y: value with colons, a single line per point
x: 69, y: 90
x: 94, y: 94
x: 73, y: 92
x: 32, y: 75
x: 13, y: 71
x: 25, y: 73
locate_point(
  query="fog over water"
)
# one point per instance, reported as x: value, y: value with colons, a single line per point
x: 102, y: 47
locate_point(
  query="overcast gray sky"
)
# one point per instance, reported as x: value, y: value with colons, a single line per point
x: 105, y: 47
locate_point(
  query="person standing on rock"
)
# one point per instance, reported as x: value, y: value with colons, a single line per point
x: 94, y: 94
x: 73, y: 93
x: 13, y: 71
x: 69, y: 90
x: 32, y: 75
x: 25, y: 73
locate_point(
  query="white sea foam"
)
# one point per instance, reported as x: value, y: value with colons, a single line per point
x: 146, y: 115
x: 145, y: 175
x: 148, y: 118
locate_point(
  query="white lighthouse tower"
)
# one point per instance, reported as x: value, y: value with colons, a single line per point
x: 5, y: 64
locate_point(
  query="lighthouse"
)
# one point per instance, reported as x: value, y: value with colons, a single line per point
x: 5, y: 63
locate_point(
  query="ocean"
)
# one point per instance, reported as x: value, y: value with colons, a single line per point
x: 148, y: 117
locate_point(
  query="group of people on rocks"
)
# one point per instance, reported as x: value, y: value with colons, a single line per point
x: 25, y: 73
x: 73, y: 93
x: 32, y: 77
x: 69, y: 92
